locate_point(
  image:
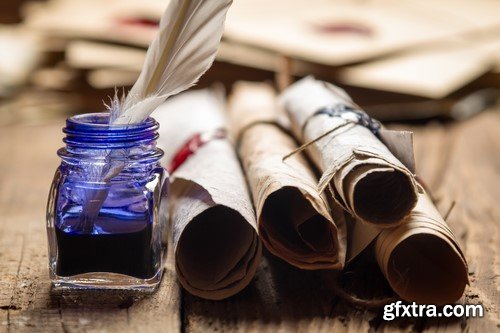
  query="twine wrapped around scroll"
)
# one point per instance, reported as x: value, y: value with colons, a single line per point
x: 213, y: 225
x: 362, y: 174
x: 293, y: 218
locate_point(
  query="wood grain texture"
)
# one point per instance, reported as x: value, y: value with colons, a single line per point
x: 27, y: 303
x: 459, y: 162
x: 467, y: 171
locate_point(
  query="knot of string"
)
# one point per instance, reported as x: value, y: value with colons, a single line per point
x: 349, y: 113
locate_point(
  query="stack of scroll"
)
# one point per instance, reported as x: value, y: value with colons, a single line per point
x: 369, y: 172
x: 367, y: 192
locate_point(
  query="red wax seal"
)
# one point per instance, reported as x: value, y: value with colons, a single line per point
x: 192, y: 145
x: 342, y: 28
x: 139, y: 21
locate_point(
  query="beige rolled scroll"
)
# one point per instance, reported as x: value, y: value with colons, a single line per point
x: 293, y: 218
x: 362, y: 174
x: 421, y: 259
x: 212, y: 220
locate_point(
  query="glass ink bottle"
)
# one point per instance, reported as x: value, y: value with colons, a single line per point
x: 103, y: 222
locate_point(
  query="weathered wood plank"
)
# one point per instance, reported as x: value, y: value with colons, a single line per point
x: 25, y: 166
x: 27, y: 303
x: 280, y: 299
x: 470, y: 176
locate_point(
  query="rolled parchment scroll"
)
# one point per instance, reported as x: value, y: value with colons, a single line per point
x: 420, y: 258
x: 293, y: 218
x: 212, y: 220
x: 362, y: 174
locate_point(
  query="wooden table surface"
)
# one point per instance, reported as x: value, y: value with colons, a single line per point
x: 460, y: 162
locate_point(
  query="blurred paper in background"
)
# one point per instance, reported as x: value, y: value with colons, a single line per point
x: 19, y: 55
x: 432, y: 72
x: 393, y: 51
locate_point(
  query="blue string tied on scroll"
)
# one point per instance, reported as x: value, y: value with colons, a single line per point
x: 351, y: 114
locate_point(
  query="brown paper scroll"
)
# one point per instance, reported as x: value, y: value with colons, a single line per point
x: 213, y: 225
x: 420, y: 258
x: 363, y: 176
x: 293, y: 219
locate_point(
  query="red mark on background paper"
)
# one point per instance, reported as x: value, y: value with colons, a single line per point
x: 138, y: 21
x: 192, y: 145
x: 344, y: 28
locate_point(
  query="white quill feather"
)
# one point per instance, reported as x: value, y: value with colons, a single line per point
x: 186, y: 46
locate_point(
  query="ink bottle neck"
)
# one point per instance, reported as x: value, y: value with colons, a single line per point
x: 91, y: 137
